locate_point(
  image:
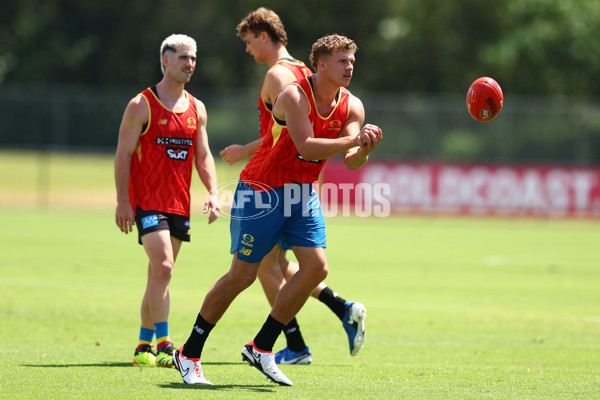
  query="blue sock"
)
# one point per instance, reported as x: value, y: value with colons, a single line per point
x: 146, y: 336
x: 162, y: 334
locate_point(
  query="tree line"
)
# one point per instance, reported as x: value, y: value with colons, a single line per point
x: 532, y: 47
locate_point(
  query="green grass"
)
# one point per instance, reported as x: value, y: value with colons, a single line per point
x: 71, y: 181
x: 457, y: 308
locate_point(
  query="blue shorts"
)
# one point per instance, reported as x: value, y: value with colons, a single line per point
x: 259, y: 220
x: 284, y: 246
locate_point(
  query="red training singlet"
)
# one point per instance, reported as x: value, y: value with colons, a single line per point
x: 161, y: 168
x: 300, y: 71
x: 277, y: 161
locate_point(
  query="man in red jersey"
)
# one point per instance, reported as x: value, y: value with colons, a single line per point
x: 314, y: 118
x: 162, y: 136
x: 266, y: 40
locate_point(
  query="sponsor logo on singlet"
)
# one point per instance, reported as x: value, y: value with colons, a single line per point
x: 335, y: 125
x: 177, y: 153
x: 192, y: 123
x: 175, y: 141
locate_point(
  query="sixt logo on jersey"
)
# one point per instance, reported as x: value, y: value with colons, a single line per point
x: 177, y: 153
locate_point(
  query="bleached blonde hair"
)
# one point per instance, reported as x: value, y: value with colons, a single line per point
x: 171, y: 43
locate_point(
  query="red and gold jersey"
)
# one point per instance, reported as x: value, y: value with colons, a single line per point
x: 161, y: 167
x: 300, y: 71
x: 277, y: 161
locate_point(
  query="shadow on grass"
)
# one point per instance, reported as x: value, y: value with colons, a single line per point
x: 266, y: 388
x: 111, y: 364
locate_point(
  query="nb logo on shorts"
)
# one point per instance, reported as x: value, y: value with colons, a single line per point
x: 246, y: 251
x: 149, y: 221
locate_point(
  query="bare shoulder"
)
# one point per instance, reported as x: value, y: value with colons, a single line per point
x: 201, y: 111
x: 138, y: 101
x: 138, y: 108
x: 356, y: 107
x: 200, y: 105
x: 292, y: 99
x: 292, y: 93
x: 280, y: 73
x: 136, y: 115
x: 276, y: 79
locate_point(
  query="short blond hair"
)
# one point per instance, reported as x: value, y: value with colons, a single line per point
x: 327, y: 45
x: 172, y: 42
x: 263, y: 20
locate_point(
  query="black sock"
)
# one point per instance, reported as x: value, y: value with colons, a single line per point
x: 294, y: 339
x: 335, y: 303
x: 195, y: 343
x: 267, y: 336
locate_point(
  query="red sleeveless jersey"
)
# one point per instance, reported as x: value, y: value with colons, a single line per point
x: 300, y: 71
x: 277, y: 161
x: 161, y: 167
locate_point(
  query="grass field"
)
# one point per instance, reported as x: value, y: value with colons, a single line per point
x: 457, y: 308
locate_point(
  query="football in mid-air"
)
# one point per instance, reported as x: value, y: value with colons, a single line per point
x: 484, y: 99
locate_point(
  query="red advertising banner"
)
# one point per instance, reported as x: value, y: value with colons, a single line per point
x: 472, y: 189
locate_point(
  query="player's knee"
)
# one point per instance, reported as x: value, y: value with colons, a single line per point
x: 264, y: 274
x: 319, y: 273
x: 283, y: 261
x: 324, y: 272
x: 163, y: 271
x: 268, y: 266
x: 242, y: 279
x: 245, y: 281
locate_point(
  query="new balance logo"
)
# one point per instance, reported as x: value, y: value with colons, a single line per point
x: 199, y: 330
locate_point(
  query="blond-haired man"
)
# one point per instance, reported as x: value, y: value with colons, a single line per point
x: 162, y: 136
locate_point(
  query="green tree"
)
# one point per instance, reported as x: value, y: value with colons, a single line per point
x: 544, y: 47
